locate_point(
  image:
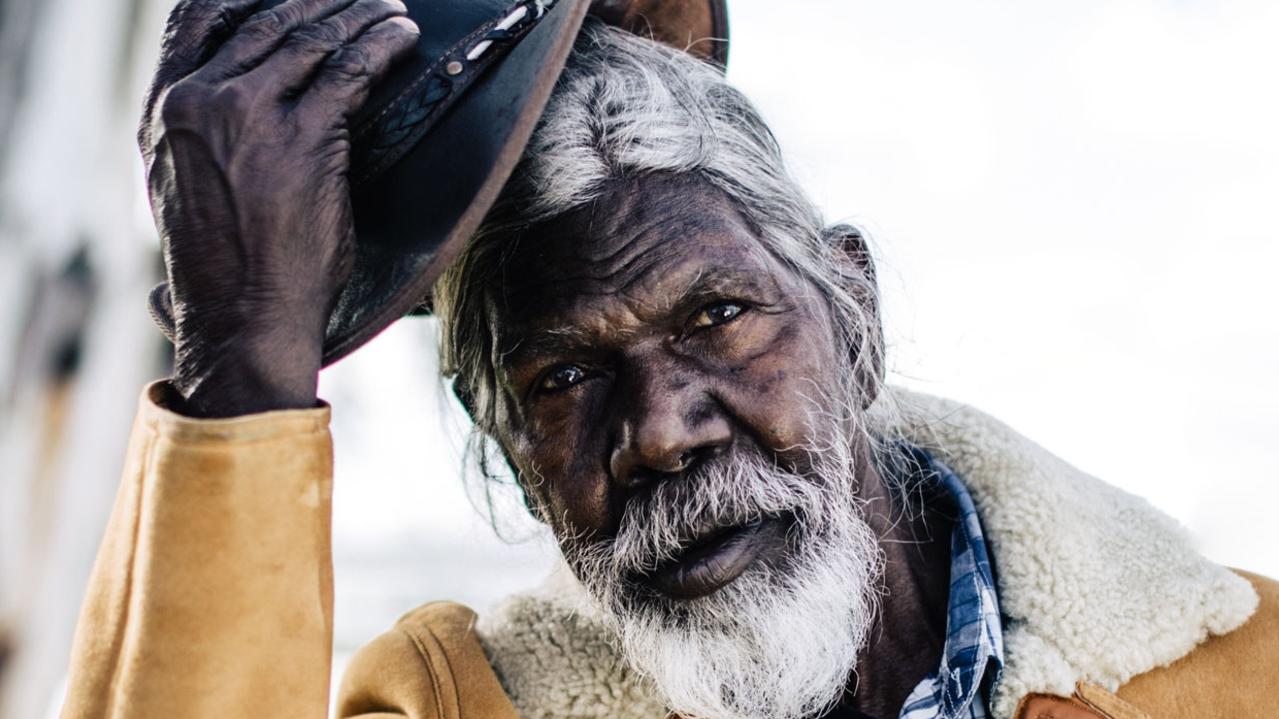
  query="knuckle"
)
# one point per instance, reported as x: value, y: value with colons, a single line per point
x: 231, y: 99
x: 182, y: 103
x: 351, y: 61
x: 286, y: 16
x: 190, y: 104
x: 223, y: 21
x: 269, y: 25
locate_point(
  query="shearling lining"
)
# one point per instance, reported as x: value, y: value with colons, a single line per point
x: 1095, y: 584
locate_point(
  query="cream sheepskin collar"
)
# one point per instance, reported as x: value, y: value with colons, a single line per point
x: 1095, y: 584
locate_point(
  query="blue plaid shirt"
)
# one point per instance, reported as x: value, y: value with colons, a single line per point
x: 973, y: 654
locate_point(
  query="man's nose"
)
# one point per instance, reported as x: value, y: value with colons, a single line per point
x: 668, y: 432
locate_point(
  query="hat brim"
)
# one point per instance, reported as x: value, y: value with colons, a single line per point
x: 412, y: 219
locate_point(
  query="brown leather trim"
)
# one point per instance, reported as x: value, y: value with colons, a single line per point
x: 1046, y: 706
x: 1106, y: 702
x: 429, y: 656
x: 465, y: 683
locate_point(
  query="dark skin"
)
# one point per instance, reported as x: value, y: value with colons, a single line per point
x: 686, y: 340
x: 648, y: 333
x: 246, y: 143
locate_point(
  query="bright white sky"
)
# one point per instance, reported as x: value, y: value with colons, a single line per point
x: 1074, y: 208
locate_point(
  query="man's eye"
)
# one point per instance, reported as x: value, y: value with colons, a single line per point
x: 562, y: 377
x: 718, y: 314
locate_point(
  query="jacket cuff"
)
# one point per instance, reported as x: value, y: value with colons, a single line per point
x: 156, y: 412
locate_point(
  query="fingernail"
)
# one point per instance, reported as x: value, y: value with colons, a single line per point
x: 398, y: 5
x: 407, y: 24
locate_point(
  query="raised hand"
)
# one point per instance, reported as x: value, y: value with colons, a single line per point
x: 246, y: 142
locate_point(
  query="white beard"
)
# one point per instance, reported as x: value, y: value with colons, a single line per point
x: 775, y: 644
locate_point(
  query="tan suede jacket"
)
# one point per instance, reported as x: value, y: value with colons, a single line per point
x: 212, y: 597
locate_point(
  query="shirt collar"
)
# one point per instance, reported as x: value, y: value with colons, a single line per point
x: 973, y: 654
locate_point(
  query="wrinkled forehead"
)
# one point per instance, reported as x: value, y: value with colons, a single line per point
x: 645, y: 240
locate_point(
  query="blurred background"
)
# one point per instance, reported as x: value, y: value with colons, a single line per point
x: 1074, y: 205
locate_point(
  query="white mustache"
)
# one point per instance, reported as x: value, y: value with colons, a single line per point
x: 659, y: 526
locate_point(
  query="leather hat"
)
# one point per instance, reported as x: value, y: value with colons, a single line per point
x: 439, y: 137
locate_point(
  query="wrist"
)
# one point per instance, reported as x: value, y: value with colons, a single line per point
x: 247, y: 378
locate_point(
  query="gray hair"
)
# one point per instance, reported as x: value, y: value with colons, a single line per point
x: 624, y: 107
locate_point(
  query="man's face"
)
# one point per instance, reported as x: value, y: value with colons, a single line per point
x: 643, y: 336
x: 671, y: 396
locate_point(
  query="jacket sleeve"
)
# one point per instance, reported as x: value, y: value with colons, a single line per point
x: 212, y: 593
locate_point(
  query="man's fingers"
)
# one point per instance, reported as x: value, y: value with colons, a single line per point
x: 294, y: 65
x: 261, y: 34
x: 344, y: 80
x: 194, y: 31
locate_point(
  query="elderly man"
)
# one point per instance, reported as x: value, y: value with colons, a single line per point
x: 683, y: 367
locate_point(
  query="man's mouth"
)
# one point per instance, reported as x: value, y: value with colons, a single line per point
x: 719, y: 557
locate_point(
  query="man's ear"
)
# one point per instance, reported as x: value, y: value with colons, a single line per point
x: 858, y: 271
